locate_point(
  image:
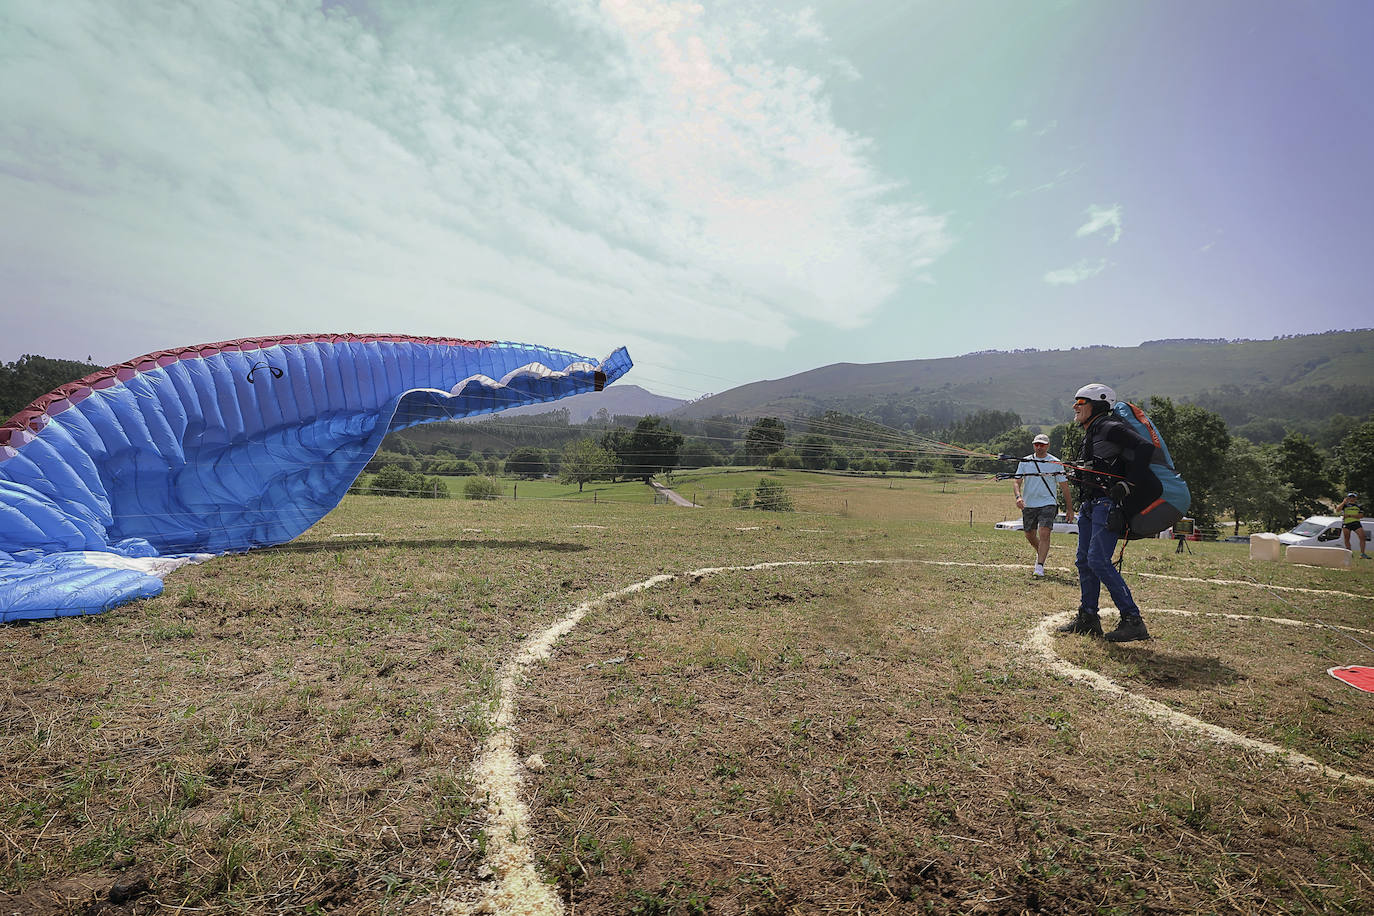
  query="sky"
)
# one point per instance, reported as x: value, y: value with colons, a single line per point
x: 733, y: 190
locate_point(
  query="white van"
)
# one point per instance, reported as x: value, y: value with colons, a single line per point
x: 1325, y: 531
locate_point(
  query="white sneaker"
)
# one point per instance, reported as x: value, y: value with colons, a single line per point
x: 1039, y: 570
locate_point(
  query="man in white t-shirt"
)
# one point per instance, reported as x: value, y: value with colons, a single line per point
x: 1036, y: 477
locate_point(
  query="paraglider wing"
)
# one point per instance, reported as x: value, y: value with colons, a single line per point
x: 108, y: 482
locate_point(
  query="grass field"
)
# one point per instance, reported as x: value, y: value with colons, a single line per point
x: 295, y: 730
x: 625, y: 491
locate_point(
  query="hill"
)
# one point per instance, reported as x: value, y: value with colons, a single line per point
x: 618, y: 400
x: 1037, y: 384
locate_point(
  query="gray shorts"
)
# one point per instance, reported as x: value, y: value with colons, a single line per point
x: 1038, y: 517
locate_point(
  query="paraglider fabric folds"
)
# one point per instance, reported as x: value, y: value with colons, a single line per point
x: 225, y: 447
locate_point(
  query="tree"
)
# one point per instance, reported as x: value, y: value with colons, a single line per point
x: 764, y: 438
x: 983, y: 425
x: 653, y: 447
x: 1073, y: 442
x: 31, y: 377
x: 1355, y: 459
x: 1065, y: 440
x: 1013, y: 442
x: 1198, y: 442
x: 585, y: 461
x: 1300, y: 467
x: 383, y: 458
x: 390, y: 481
x: 1248, y: 486
x: 770, y: 496
x: 698, y: 453
x: 616, y: 441
x: 527, y: 461
x: 784, y: 458
x: 817, y: 451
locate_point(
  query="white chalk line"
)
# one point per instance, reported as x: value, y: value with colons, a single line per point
x: 1145, y: 575
x: 1041, y: 642
x: 516, y: 887
x: 1277, y: 588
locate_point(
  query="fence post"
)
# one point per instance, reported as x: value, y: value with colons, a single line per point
x: 514, y: 491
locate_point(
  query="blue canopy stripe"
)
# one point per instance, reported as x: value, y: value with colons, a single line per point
x: 229, y: 446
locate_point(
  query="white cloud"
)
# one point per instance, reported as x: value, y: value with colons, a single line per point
x: 996, y: 175
x: 1060, y: 177
x: 808, y: 26
x: 270, y: 167
x: 1072, y: 276
x: 1019, y: 124
x: 1102, y: 218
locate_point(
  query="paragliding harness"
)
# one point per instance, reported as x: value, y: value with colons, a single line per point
x: 1161, y: 497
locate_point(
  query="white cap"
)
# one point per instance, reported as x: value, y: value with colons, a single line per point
x: 1042, y: 438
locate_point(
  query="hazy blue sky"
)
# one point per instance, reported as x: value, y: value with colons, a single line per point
x: 734, y: 190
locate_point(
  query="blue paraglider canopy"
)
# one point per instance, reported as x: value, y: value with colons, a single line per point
x: 108, y: 483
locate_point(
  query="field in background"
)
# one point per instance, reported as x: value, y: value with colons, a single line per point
x: 293, y: 730
x: 892, y: 498
x: 624, y: 491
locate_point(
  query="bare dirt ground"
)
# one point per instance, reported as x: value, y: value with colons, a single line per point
x: 295, y: 730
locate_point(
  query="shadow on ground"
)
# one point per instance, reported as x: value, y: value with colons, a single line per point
x: 366, y: 543
x: 1165, y: 669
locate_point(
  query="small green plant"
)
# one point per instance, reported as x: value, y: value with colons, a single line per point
x: 1193, y: 809
x: 770, y: 496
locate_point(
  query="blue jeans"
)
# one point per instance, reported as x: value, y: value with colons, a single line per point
x: 1095, y: 569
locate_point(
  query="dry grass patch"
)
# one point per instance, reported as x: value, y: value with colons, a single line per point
x: 840, y: 739
x: 293, y: 730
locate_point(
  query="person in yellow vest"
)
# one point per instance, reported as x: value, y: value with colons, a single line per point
x: 1351, y: 515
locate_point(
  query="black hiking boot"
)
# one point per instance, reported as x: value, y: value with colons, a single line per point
x: 1085, y: 623
x: 1129, y: 630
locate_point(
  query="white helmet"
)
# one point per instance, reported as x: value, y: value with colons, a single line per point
x: 1097, y: 392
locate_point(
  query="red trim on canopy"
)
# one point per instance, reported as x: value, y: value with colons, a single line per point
x: 72, y: 393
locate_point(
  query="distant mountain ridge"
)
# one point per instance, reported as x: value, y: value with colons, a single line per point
x: 1038, y: 384
x: 617, y: 400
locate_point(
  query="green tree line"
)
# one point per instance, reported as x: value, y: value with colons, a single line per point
x: 1240, y: 462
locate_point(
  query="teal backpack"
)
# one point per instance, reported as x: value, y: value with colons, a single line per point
x: 1162, y: 497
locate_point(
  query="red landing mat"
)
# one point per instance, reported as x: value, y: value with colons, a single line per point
x: 1358, y: 676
